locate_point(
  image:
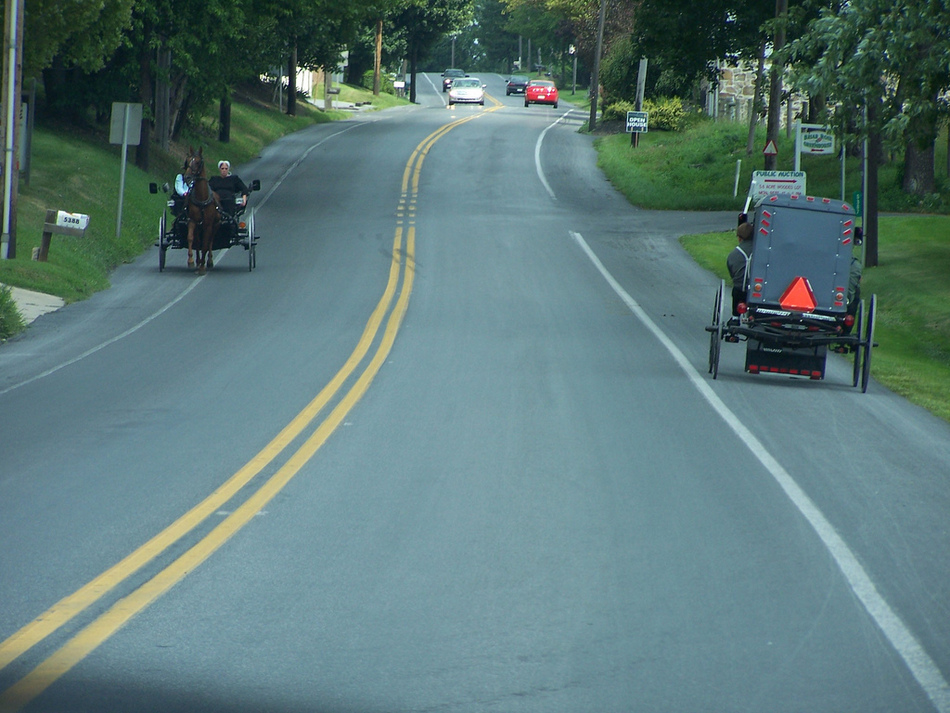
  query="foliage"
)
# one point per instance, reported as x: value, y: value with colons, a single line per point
x: 385, y: 82
x: 618, y: 71
x: 559, y: 22
x: 666, y: 113
x: 10, y: 320
x: 890, y: 55
x: 83, y: 33
x: 617, y: 111
x: 687, y: 37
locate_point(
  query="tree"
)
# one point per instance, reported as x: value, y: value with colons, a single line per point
x: 686, y: 37
x: 890, y: 54
x: 424, y: 22
x: 380, y: 11
x: 82, y: 33
x: 495, y: 38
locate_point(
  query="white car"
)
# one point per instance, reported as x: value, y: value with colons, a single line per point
x: 467, y: 90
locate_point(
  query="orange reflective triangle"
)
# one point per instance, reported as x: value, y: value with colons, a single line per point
x: 798, y: 296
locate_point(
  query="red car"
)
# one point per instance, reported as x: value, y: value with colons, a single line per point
x: 540, y: 91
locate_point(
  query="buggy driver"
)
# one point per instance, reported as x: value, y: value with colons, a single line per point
x: 227, y: 185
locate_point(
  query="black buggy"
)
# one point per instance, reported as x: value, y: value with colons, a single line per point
x: 797, y: 299
x: 237, y: 226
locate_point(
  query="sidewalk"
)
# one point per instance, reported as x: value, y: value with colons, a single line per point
x: 33, y: 304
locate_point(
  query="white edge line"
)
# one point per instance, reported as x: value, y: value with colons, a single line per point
x: 537, y: 155
x: 921, y: 665
x: 127, y: 332
x: 184, y: 292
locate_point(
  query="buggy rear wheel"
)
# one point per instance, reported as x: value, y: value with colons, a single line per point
x: 868, y: 345
x: 858, y: 327
x: 715, y: 333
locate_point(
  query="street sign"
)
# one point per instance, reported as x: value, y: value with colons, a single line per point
x: 638, y: 122
x: 770, y: 149
x: 816, y: 140
x: 767, y: 183
x: 125, y: 126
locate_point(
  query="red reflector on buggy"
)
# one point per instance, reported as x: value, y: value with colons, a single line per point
x: 799, y: 296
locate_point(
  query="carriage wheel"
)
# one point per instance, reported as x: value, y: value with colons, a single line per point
x: 858, y: 327
x: 162, y: 245
x: 715, y: 335
x: 868, y: 345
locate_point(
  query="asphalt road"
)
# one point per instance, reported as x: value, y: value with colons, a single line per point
x: 452, y: 446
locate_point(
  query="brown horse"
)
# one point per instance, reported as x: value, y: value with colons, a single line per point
x: 202, y: 210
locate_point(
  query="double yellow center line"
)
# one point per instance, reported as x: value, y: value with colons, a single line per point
x: 104, y: 626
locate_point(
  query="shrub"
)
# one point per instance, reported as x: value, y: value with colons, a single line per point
x: 666, y: 114
x: 617, y: 110
x: 10, y: 320
x: 385, y: 82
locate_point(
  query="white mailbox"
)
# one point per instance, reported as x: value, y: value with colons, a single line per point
x: 77, y: 221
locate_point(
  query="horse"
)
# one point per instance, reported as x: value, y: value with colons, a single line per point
x: 202, y: 208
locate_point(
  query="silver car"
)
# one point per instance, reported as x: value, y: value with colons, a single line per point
x: 467, y: 90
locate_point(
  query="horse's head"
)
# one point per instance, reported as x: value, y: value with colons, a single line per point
x: 195, y: 163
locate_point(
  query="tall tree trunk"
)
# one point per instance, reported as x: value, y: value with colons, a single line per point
x: 595, y: 75
x: 919, y: 163
x: 292, y: 82
x: 412, y: 74
x: 756, y: 101
x: 377, y: 61
x: 163, y: 99
x: 872, y: 162
x: 146, y: 94
x: 816, y: 105
x: 181, y: 103
x: 775, y: 85
x: 224, y: 117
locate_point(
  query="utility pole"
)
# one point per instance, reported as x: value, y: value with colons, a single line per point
x: 13, y: 44
x: 595, y: 77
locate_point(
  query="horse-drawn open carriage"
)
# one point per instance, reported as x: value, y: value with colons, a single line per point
x: 797, y: 302
x: 216, y: 224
